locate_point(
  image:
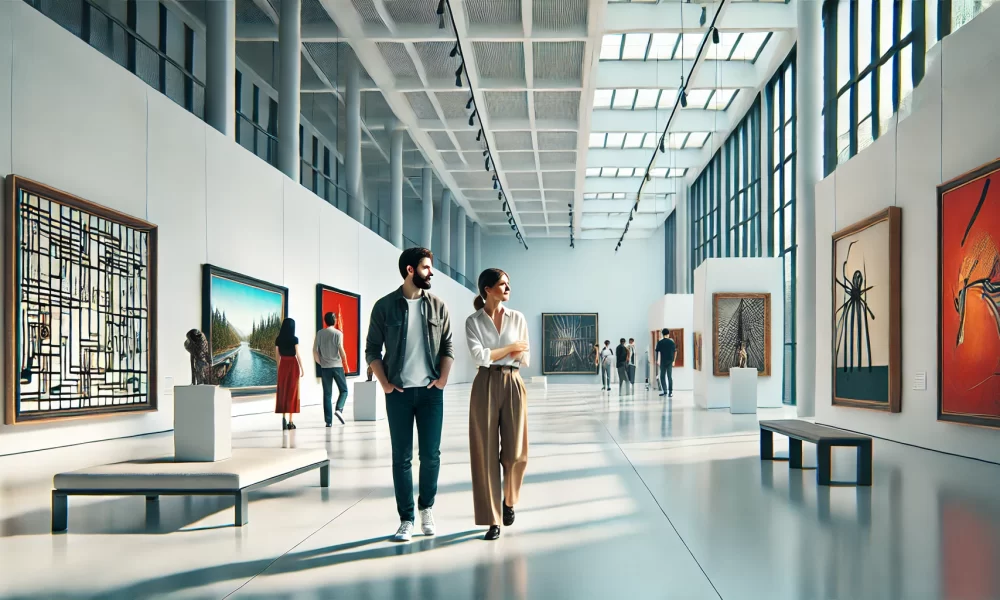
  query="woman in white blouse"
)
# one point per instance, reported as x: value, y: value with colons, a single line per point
x: 498, y: 411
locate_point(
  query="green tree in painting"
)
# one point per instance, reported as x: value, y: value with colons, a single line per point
x: 224, y: 336
x: 264, y: 333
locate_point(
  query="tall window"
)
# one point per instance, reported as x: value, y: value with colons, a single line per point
x: 742, y: 151
x: 781, y: 163
x: 670, y: 254
x: 874, y: 56
x: 705, y: 208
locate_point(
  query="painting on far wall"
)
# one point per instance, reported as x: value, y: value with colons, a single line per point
x: 241, y: 317
x: 696, y: 351
x: 568, y: 343
x: 866, y: 316
x: 741, y: 320
x: 969, y: 298
x: 80, y: 299
x: 347, y: 307
x: 678, y: 336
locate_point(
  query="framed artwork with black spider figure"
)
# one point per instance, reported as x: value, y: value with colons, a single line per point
x: 866, y: 319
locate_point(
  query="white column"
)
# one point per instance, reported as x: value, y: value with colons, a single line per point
x: 809, y: 157
x: 460, y: 265
x: 445, y: 254
x: 352, y: 151
x: 477, y: 252
x: 290, y: 72
x: 220, y: 66
x: 427, y: 206
x: 396, y: 187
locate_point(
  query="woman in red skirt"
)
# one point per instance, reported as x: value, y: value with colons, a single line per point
x: 289, y: 372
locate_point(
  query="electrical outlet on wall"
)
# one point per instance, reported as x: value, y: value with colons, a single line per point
x: 168, y: 386
x: 920, y: 381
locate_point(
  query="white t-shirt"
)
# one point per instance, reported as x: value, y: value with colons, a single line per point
x: 416, y: 365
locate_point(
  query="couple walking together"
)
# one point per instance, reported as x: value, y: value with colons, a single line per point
x: 414, y: 328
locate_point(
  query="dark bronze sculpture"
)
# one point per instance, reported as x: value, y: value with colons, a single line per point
x: 202, y: 372
x: 370, y: 374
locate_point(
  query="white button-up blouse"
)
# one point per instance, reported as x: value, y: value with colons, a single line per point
x: 483, y: 337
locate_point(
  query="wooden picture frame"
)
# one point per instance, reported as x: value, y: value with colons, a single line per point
x: 719, y: 370
x: 588, y: 359
x: 968, y: 316
x: 321, y: 291
x: 857, y: 300
x: 110, y: 226
x: 208, y: 273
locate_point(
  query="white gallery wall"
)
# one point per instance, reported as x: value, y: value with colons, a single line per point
x: 551, y: 277
x: 81, y: 123
x: 673, y: 311
x: 952, y: 128
x: 730, y: 275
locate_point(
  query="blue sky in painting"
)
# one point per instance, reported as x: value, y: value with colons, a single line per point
x: 243, y: 304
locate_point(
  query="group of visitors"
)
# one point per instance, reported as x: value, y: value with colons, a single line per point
x: 623, y: 359
x: 409, y: 351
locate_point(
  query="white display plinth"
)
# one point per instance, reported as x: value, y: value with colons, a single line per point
x: 369, y: 401
x: 742, y: 391
x: 203, y: 429
x: 540, y: 381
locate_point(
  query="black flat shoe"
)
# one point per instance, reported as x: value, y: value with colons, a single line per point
x: 508, y: 515
x: 493, y: 533
x: 292, y: 426
x: 284, y: 424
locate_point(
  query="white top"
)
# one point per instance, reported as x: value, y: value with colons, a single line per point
x: 416, y: 364
x: 607, y: 355
x: 483, y: 337
x: 631, y: 355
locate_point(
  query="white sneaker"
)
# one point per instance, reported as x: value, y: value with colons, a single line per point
x: 404, y: 533
x: 427, y: 522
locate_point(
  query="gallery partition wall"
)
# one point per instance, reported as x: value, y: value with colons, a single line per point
x: 781, y: 161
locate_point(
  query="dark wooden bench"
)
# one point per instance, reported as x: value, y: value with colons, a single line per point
x: 825, y: 438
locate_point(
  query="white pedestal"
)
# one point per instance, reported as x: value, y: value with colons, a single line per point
x: 369, y: 401
x: 742, y: 391
x: 540, y: 381
x: 202, y: 423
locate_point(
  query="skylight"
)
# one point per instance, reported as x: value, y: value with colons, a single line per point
x: 623, y: 99
x: 674, y: 46
x: 663, y: 99
x: 635, y: 47
x: 632, y: 140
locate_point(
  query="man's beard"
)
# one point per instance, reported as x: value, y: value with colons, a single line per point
x: 421, y: 282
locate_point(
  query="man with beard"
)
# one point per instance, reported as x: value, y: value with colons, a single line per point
x: 414, y: 327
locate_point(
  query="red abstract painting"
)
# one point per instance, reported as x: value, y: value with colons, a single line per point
x: 969, y: 298
x: 347, y: 307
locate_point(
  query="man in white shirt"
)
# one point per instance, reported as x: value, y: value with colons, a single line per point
x: 631, y: 361
x: 329, y: 354
x: 414, y: 328
x: 607, y: 364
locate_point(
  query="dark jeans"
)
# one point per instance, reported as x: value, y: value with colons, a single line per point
x: 631, y: 374
x: 329, y: 376
x: 426, y: 407
x: 667, y: 378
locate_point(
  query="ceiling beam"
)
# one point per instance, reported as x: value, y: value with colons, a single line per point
x: 666, y: 17
x: 687, y: 158
x: 596, y: 11
x: 653, y: 121
x: 629, y: 185
x: 666, y: 74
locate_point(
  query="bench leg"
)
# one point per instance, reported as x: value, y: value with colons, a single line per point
x: 60, y: 512
x: 242, y: 508
x: 825, y: 467
x: 324, y: 476
x: 766, y: 445
x: 152, y: 498
x: 794, y: 453
x: 865, y: 463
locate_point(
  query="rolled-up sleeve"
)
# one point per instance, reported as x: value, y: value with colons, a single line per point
x: 480, y: 354
x: 522, y: 335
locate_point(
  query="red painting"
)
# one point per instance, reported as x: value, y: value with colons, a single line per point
x: 347, y: 307
x: 969, y: 298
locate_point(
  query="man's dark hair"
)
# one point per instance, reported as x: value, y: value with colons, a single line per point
x: 621, y: 341
x: 411, y: 257
x: 665, y: 332
x: 607, y: 342
x: 330, y: 319
x: 631, y: 340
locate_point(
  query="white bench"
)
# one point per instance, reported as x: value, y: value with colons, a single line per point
x: 248, y: 469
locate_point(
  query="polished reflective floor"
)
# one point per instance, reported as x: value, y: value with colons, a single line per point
x: 625, y: 497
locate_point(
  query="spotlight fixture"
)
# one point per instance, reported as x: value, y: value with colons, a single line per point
x: 506, y: 206
x: 702, y: 19
x: 500, y: 197
x: 487, y: 165
x: 458, y: 75
x: 647, y: 176
x: 454, y: 51
x: 440, y: 12
x: 496, y: 183
x: 715, y: 35
x: 468, y: 104
x: 684, y: 99
x: 440, y: 9
x: 479, y: 136
x: 485, y: 152
x: 663, y: 146
x: 472, y: 118
x: 513, y: 227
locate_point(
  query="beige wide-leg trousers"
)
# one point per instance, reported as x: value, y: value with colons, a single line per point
x: 498, y: 437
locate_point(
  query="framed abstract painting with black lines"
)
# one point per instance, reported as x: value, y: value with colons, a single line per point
x: 80, y: 307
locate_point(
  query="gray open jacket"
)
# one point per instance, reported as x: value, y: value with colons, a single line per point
x: 388, y: 328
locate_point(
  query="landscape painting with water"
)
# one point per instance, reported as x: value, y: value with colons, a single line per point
x: 241, y: 317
